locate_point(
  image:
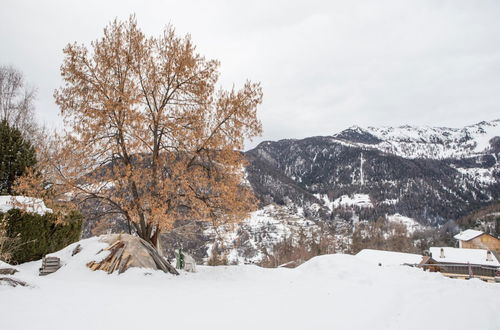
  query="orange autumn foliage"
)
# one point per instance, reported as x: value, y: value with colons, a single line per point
x: 149, y: 133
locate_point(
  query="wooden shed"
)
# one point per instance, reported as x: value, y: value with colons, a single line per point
x: 475, y: 239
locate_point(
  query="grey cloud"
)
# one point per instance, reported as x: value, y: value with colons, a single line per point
x: 324, y: 65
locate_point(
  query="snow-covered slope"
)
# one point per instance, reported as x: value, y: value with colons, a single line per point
x: 425, y: 141
x: 359, y: 200
x: 430, y: 174
x: 410, y: 224
x: 247, y: 242
x: 28, y: 204
x: 327, y: 292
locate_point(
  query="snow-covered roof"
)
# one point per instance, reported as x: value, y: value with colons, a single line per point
x: 464, y: 256
x: 3, y: 264
x: 468, y: 234
x: 28, y: 204
x: 388, y: 258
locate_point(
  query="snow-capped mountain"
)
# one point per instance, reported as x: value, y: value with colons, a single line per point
x: 429, y: 174
x: 424, y: 141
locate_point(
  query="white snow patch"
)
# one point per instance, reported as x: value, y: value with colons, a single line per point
x: 28, y: 204
x: 3, y: 264
x: 388, y: 258
x: 360, y: 200
x: 327, y: 202
x: 266, y: 227
x: 411, y: 224
x: 327, y: 292
x: 482, y: 175
x: 390, y: 201
x: 432, y: 142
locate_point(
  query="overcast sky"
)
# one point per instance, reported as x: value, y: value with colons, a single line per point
x: 324, y: 65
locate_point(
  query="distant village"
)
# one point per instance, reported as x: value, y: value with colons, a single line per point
x: 477, y: 256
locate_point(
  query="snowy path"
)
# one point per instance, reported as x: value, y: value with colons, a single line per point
x: 328, y: 292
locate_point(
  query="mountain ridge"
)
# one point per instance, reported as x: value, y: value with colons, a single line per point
x: 454, y: 165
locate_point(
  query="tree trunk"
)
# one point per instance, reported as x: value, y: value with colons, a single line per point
x: 149, y: 233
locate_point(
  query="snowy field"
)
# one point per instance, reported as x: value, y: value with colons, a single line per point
x: 328, y: 292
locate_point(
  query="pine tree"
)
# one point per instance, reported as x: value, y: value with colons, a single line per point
x: 16, y: 155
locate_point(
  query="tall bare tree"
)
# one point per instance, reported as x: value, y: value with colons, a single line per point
x: 151, y: 137
x: 16, y: 101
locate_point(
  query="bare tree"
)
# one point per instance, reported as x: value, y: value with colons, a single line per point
x: 151, y: 137
x: 16, y: 101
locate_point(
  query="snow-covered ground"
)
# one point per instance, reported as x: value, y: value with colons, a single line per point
x: 327, y: 292
x: 29, y: 204
x: 411, y: 224
x: 388, y: 258
x: 264, y: 229
x: 360, y: 200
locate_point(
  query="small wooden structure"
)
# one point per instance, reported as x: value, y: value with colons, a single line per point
x: 12, y: 282
x: 475, y: 239
x: 126, y: 251
x: 8, y: 271
x: 49, y: 265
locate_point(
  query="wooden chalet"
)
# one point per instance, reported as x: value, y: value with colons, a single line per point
x: 463, y: 263
x: 475, y: 239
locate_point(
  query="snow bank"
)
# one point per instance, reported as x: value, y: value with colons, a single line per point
x: 28, y: 204
x: 3, y: 264
x: 388, y: 258
x: 72, y: 266
x: 327, y: 292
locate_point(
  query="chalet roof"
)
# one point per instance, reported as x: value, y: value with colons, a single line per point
x: 468, y: 234
x: 425, y: 260
x: 464, y: 256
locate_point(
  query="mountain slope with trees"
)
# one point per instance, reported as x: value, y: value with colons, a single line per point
x: 313, y: 173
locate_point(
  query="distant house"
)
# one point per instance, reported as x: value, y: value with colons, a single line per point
x: 475, y: 239
x: 463, y: 263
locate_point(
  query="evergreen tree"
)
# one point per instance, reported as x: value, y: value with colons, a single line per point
x: 16, y: 154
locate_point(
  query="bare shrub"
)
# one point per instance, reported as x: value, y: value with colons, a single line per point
x: 291, y: 253
x: 382, y: 235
